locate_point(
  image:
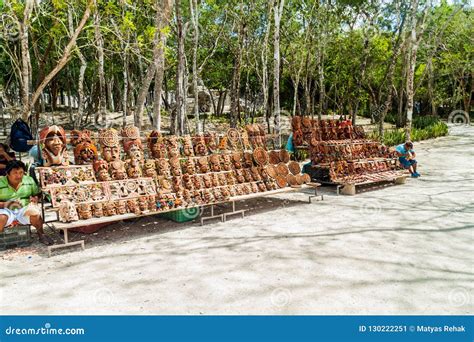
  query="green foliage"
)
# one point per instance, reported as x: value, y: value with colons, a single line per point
x: 338, y: 31
x: 424, y: 130
x: 425, y: 121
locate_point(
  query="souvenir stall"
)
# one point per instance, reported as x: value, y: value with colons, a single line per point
x: 342, y: 155
x: 118, y: 175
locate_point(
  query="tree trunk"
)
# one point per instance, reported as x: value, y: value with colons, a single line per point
x: 429, y: 66
x: 412, y: 50
x: 82, y: 72
x: 235, y: 87
x: 264, y: 58
x: 25, y: 58
x: 160, y: 65
x: 125, y: 88
x: 278, y: 11
x: 193, y: 5
x: 162, y: 17
x: 100, y: 55
x: 110, y: 97
x: 62, y: 61
x: 180, y: 77
x: 388, y: 80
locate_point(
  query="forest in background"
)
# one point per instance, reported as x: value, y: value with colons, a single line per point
x: 386, y: 60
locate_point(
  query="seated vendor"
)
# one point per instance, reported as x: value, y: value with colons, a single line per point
x: 17, y: 191
x: 5, y: 157
x: 406, y: 156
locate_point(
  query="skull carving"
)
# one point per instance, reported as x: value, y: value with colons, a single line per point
x: 132, y: 206
x: 163, y: 167
x: 110, y: 209
x: 67, y: 212
x: 187, y: 182
x: 149, y: 168
x: 97, y: 210
x: 207, y: 181
x: 121, y: 207
x: 189, y: 167
x: 157, y: 145
x: 188, y: 150
x: 134, y: 168
x: 85, y: 211
x: 101, y: 168
x: 117, y: 170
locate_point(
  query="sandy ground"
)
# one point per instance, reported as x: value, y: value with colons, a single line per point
x: 404, y: 249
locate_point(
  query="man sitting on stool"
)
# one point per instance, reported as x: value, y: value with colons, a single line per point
x: 406, y: 156
x: 17, y: 191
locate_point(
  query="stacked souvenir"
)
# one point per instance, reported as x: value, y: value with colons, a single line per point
x: 340, y: 152
x: 284, y: 171
x: 256, y: 135
x: 174, y: 172
x: 94, y: 187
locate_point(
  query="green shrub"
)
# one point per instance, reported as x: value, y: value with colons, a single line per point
x: 398, y: 136
x: 422, y: 122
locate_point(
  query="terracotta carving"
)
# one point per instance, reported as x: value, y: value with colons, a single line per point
x: 117, y: 170
x: 149, y: 168
x: 121, y: 207
x: 197, y: 182
x: 53, y: 146
x: 109, y: 142
x: 151, y: 203
x: 110, y: 209
x: 85, y: 211
x: 143, y: 204
x: 233, y: 137
x: 211, y: 142
x: 203, y: 165
x: 215, y: 163
x: 134, y: 149
x: 199, y: 144
x: 133, y: 168
x: 188, y: 150
x: 215, y: 179
x: 207, y: 181
x: 163, y: 167
x: 187, y: 182
x: 157, y: 145
x: 208, y: 196
x: 67, y: 212
x: 132, y: 206
x: 189, y: 167
x: 172, y: 145
x: 247, y: 175
x: 97, y: 210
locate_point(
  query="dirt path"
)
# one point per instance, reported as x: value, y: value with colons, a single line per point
x: 399, y: 250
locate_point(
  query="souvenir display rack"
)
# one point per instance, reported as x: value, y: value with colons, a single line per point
x: 341, y: 154
x: 118, y: 175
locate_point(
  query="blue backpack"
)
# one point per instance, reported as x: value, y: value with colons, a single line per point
x: 20, y: 133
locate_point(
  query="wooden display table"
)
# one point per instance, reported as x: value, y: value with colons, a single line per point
x: 223, y: 217
x: 349, y: 188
